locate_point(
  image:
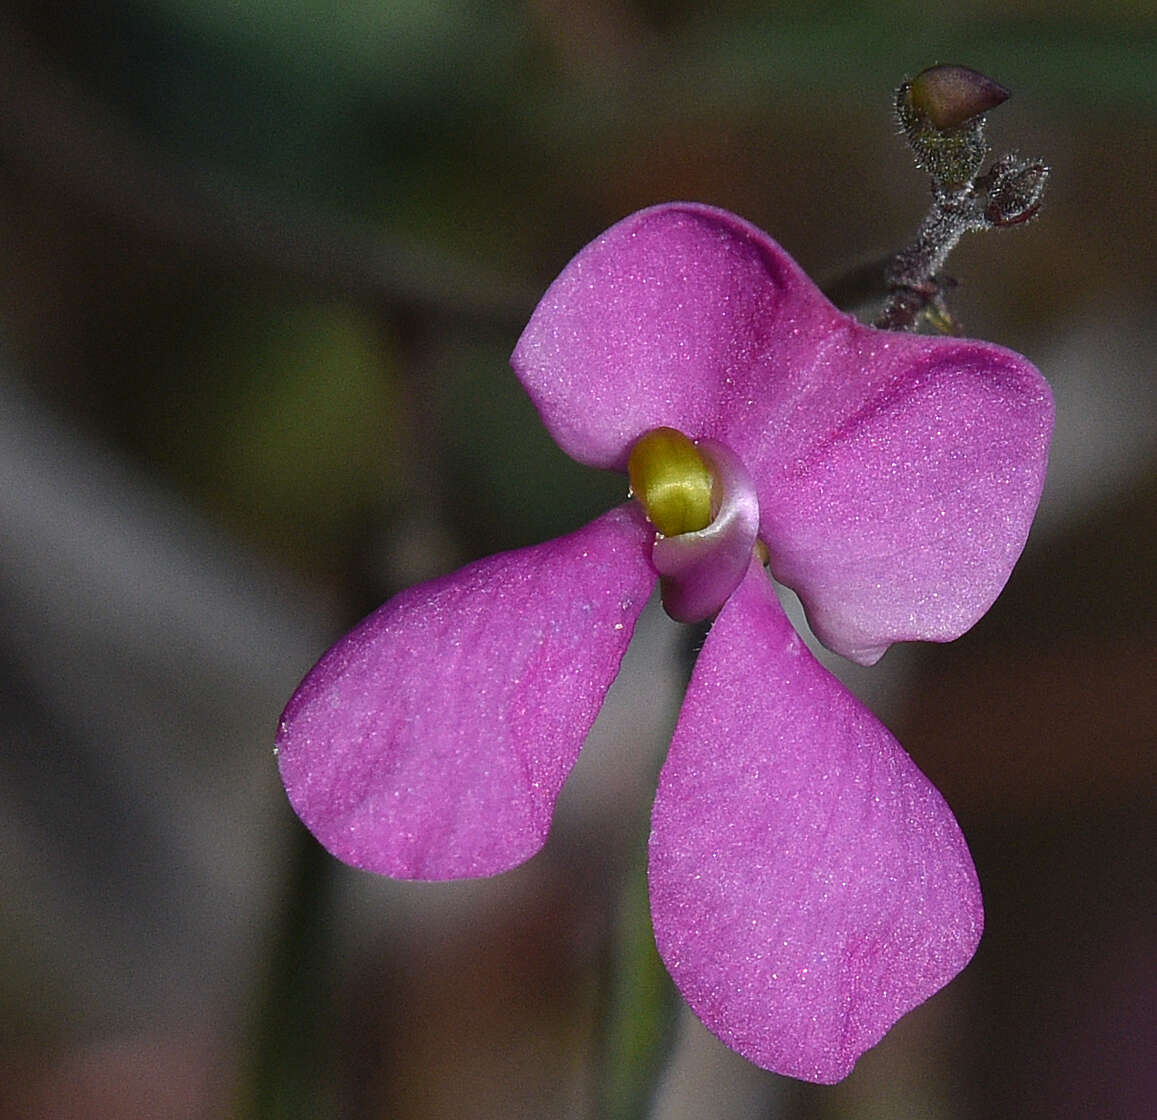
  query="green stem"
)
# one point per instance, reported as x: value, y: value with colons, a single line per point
x: 291, y: 1058
x: 638, y: 1030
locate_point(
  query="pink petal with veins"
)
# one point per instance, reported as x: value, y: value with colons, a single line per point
x: 809, y: 885
x: 432, y: 741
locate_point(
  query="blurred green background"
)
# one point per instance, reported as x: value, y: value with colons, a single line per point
x: 262, y: 268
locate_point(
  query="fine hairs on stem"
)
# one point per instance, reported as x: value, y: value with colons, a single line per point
x: 942, y: 114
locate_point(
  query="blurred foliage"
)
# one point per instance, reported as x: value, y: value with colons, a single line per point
x: 512, y: 484
x: 283, y: 417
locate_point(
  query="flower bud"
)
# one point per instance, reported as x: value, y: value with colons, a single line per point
x: 941, y: 112
x: 949, y: 96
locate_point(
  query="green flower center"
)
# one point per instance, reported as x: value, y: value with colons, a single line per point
x: 671, y: 479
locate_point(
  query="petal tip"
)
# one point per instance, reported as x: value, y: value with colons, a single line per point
x: 809, y: 886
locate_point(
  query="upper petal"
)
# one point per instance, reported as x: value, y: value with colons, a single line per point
x: 432, y: 741
x: 664, y: 320
x: 897, y: 475
x: 808, y: 884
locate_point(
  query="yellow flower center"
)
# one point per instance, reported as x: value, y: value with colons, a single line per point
x: 670, y: 478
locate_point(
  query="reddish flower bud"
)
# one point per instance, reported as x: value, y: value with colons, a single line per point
x: 949, y: 96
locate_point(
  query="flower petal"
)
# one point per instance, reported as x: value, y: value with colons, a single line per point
x: 433, y: 740
x: 903, y: 520
x: 897, y: 475
x: 808, y: 884
x: 665, y: 321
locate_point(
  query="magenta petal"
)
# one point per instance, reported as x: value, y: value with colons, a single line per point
x: 897, y: 475
x: 668, y: 319
x: 433, y: 740
x: 904, y: 520
x: 808, y: 884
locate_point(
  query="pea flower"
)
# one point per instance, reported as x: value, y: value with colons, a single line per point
x: 808, y: 883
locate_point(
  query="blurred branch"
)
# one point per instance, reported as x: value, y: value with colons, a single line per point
x: 289, y: 1072
x: 58, y: 132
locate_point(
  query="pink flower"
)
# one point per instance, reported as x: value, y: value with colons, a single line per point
x: 808, y: 884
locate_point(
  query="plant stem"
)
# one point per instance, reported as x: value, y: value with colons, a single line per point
x: 638, y: 1030
x: 290, y: 1056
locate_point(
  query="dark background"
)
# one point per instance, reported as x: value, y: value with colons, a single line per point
x: 261, y: 266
